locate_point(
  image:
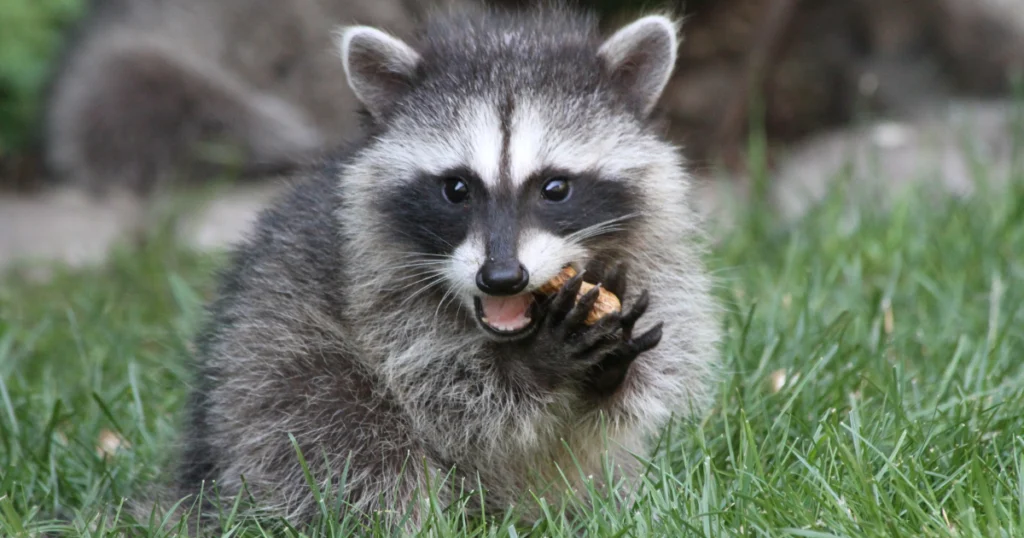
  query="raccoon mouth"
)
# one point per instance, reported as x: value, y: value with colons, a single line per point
x: 506, y: 316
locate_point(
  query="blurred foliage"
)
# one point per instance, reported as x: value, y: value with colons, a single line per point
x: 31, y: 32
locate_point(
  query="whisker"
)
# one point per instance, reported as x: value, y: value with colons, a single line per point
x: 410, y: 254
x: 458, y: 304
x: 426, y: 287
x: 421, y: 277
x: 421, y: 263
x: 601, y: 227
x: 440, y: 305
x: 438, y: 237
x: 407, y: 235
x: 597, y: 231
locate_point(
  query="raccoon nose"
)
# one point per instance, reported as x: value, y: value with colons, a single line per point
x: 502, y: 278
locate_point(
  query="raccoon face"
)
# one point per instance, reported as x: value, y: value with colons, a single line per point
x: 494, y: 170
x: 496, y: 245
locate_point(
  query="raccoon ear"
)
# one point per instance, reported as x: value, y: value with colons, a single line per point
x: 379, y: 66
x: 641, y: 56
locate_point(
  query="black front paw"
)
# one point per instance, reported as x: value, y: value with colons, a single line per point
x: 601, y: 353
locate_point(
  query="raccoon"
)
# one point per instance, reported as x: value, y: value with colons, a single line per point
x: 385, y: 312
x: 153, y: 92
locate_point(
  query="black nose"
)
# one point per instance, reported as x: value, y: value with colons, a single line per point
x: 502, y: 278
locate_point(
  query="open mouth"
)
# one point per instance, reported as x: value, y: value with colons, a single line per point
x: 507, y: 317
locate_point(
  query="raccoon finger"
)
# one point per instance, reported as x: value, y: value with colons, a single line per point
x: 611, y: 275
x: 648, y: 340
x: 629, y: 349
x: 578, y: 315
x: 595, y: 267
x: 631, y: 317
x: 615, y: 279
x: 562, y: 302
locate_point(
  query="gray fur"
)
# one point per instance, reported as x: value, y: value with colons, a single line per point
x: 151, y: 90
x: 323, y: 328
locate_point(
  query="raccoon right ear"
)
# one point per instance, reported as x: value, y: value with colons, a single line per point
x: 641, y: 56
x: 379, y: 66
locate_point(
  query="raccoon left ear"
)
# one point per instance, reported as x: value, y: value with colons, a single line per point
x: 641, y: 57
x: 379, y: 66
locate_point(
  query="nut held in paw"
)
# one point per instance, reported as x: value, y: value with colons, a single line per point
x: 607, y: 302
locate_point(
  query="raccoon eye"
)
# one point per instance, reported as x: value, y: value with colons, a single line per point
x: 556, y: 189
x: 455, y: 190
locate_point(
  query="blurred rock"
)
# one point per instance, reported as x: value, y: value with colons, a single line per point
x: 69, y: 226
x: 152, y: 92
x: 951, y: 149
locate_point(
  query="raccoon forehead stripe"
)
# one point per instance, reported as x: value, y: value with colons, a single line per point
x: 483, y: 141
x: 544, y: 137
x: 551, y: 137
x: 527, y: 135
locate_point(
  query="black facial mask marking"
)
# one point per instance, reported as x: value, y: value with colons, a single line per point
x: 420, y: 213
x: 590, y: 201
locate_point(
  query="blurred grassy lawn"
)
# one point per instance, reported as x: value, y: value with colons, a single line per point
x: 875, y: 385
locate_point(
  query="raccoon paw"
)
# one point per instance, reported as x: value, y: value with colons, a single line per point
x: 615, y: 358
x: 606, y: 349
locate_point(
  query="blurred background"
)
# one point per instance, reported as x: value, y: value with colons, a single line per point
x: 111, y: 107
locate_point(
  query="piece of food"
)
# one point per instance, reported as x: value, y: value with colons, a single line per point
x: 607, y: 302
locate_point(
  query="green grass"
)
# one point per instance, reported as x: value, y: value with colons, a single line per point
x: 874, y: 387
